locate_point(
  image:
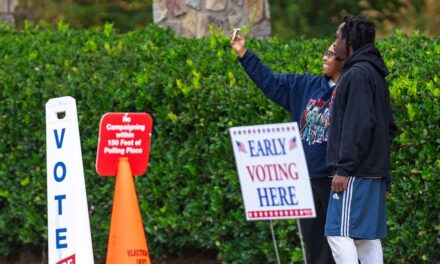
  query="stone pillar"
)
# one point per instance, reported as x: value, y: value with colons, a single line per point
x: 191, y: 18
x: 7, y: 12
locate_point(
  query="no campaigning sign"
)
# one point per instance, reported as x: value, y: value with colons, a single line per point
x: 124, y: 135
x: 273, y: 172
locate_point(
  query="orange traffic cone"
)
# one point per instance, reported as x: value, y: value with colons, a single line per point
x: 126, y: 243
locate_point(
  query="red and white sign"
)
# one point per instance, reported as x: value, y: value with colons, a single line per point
x: 273, y: 172
x: 124, y: 135
x: 68, y: 260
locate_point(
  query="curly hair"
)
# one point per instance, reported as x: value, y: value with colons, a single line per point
x: 357, y: 32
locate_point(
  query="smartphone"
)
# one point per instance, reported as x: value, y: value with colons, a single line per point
x: 235, y: 32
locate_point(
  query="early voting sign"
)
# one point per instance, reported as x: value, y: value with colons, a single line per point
x: 69, y: 239
x: 273, y: 172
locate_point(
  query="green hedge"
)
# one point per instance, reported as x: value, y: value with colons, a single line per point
x: 195, y: 90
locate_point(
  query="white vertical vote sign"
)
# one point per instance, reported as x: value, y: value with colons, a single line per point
x: 273, y: 172
x: 67, y: 214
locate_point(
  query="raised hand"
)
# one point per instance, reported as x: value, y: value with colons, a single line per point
x: 238, y: 44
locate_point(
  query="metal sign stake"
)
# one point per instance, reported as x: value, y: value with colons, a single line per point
x: 274, y: 242
x: 302, y: 242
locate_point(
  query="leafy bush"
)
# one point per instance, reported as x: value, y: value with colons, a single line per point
x: 195, y: 90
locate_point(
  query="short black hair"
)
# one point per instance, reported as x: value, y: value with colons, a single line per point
x: 357, y: 32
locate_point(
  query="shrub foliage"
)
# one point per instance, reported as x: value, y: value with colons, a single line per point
x: 195, y: 90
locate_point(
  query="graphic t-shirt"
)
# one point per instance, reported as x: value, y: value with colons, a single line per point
x: 315, y: 120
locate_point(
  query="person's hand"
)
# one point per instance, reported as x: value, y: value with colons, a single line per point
x: 339, y: 183
x: 238, y: 44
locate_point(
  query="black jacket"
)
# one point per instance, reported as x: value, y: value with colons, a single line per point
x: 362, y: 125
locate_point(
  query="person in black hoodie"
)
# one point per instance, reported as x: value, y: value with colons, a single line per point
x: 358, y: 150
x: 307, y: 98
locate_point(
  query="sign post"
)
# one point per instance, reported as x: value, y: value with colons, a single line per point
x: 273, y: 173
x: 69, y: 238
x: 123, y: 150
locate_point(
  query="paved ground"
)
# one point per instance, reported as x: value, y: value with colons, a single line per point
x: 202, y: 258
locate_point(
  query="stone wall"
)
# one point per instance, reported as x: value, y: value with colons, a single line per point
x: 191, y: 18
x: 7, y: 12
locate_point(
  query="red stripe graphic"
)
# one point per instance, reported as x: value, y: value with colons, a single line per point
x: 280, y: 213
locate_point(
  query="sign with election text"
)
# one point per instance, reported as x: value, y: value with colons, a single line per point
x: 124, y: 135
x: 273, y: 172
x: 69, y: 238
